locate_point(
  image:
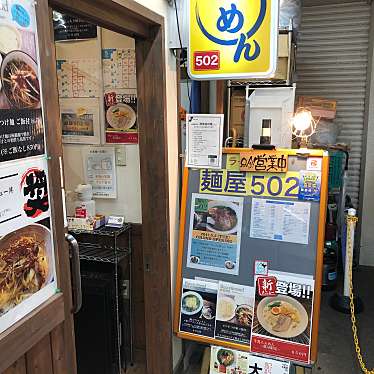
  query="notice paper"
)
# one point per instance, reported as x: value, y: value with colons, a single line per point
x: 204, y: 140
x: 280, y: 220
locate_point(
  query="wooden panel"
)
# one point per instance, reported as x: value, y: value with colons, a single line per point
x: 39, y: 357
x: 17, y: 340
x: 54, y: 147
x: 150, y: 57
x: 58, y: 350
x: 19, y: 367
x: 105, y: 13
x: 220, y: 96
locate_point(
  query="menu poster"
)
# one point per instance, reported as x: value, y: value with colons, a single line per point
x: 67, y: 27
x: 283, y: 312
x: 21, y: 124
x: 80, y: 120
x: 234, y: 312
x: 230, y: 361
x: 23, y: 194
x: 215, y: 232
x: 280, y: 220
x: 100, y: 171
x: 198, y: 307
x: 121, y: 125
x: 28, y: 275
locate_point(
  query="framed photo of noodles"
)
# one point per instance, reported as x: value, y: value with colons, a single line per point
x: 27, y: 263
x: 250, y: 255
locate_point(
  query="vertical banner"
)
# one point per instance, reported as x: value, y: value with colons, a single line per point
x: 21, y: 124
x: 236, y: 39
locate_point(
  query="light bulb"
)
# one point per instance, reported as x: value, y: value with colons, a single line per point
x: 302, y: 120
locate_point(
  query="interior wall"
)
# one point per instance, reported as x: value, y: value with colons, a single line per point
x: 161, y: 7
x: 367, y: 216
x: 128, y: 202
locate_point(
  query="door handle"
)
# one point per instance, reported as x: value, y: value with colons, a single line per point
x: 76, y: 272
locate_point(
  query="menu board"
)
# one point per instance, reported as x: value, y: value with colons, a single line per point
x: 28, y: 276
x: 255, y: 239
x: 67, y: 27
x: 21, y: 123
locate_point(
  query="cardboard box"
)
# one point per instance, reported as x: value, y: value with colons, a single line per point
x: 87, y: 224
x: 237, y: 113
x: 320, y: 107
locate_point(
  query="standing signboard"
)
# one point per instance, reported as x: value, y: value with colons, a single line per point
x: 250, y: 253
x: 27, y: 261
x: 236, y: 39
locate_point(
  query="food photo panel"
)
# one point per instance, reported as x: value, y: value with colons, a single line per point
x: 215, y: 233
x: 235, y: 304
x: 282, y: 321
x: 198, y: 307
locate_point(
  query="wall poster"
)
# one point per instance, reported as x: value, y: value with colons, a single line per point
x: 215, y: 232
x: 21, y: 123
x: 282, y: 321
x: 121, y: 126
x: 100, y: 171
x: 80, y: 120
x: 28, y: 275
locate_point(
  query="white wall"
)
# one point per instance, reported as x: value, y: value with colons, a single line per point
x: 161, y: 7
x: 128, y: 202
x: 367, y: 217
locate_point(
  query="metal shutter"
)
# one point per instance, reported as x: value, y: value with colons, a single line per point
x: 332, y: 62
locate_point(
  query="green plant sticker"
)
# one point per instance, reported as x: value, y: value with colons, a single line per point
x: 201, y: 205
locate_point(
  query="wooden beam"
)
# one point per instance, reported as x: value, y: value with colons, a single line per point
x: 39, y: 358
x: 22, y: 336
x: 151, y: 83
x: 19, y: 367
x: 125, y: 19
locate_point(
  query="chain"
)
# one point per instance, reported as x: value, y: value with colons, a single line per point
x: 353, y: 220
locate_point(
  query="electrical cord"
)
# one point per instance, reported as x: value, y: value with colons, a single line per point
x: 181, y: 46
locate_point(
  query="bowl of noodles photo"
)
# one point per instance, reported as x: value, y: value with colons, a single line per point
x: 121, y: 117
x: 282, y: 316
x: 222, y: 217
x: 19, y: 77
x: 25, y: 264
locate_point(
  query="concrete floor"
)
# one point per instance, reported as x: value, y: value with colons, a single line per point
x: 336, y: 349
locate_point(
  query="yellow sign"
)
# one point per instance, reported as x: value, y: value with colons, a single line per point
x: 265, y: 162
x: 232, y: 39
x: 226, y: 182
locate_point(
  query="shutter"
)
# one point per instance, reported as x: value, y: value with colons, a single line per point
x: 332, y: 61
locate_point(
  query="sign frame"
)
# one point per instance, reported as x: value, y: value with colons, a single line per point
x: 318, y: 261
x: 273, y: 54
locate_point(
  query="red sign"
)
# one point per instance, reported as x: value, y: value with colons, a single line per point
x: 267, y: 286
x: 206, y: 60
x: 282, y: 349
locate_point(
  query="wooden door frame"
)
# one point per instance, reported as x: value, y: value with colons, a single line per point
x: 147, y: 27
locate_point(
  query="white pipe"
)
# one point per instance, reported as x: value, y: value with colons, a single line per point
x: 349, y: 259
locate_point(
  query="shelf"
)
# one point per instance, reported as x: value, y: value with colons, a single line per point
x: 103, y: 231
x: 95, y: 252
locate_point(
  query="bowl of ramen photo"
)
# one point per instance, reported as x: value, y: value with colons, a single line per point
x: 225, y: 308
x: 19, y: 77
x: 121, y: 117
x: 282, y: 316
x: 243, y: 315
x: 225, y: 357
x: 26, y: 264
x: 192, y: 303
x: 222, y: 217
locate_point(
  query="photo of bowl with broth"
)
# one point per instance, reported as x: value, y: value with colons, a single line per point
x: 121, y: 117
x: 20, y: 82
x: 222, y: 217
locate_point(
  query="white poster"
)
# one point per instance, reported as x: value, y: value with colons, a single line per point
x: 230, y: 361
x: 286, y: 221
x: 100, y: 171
x: 23, y: 194
x: 204, y: 140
